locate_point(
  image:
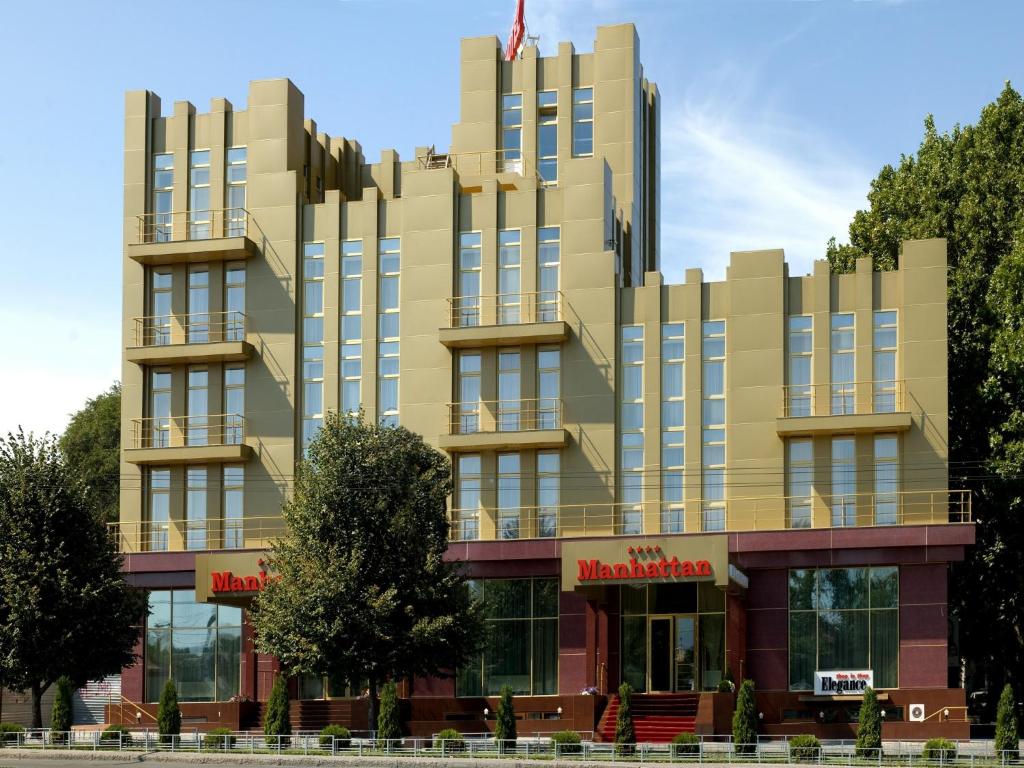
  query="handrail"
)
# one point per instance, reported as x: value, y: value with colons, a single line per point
x: 504, y: 309
x: 122, y: 700
x: 488, y: 162
x: 194, y: 328
x: 213, y: 429
x: 844, y: 398
x: 212, y: 533
x: 511, y: 415
x: 204, y: 224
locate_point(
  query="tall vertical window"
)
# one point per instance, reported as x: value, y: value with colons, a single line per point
x: 159, y: 508
x: 509, y: 391
x: 844, y: 482
x: 512, y: 132
x: 547, y: 136
x: 237, y: 174
x: 549, y: 475
x: 842, y: 364
x: 389, y: 265
x: 162, y: 229
x: 673, y: 436
x: 198, y: 416
x: 582, y: 122
x: 312, y: 340
x: 198, y: 304
x: 509, y: 277
x: 801, y: 348
x: 159, y: 434
x: 713, y: 425
x: 234, y: 404
x: 548, y: 258
x: 234, y: 301
x: 351, y: 325
x: 887, y: 479
x: 549, y: 386
x: 509, y: 495
x: 884, y: 362
x: 199, y: 195
x: 632, y: 425
x: 160, y: 285
x: 467, y: 502
x: 799, y: 483
x: 195, y: 507
x: 469, y: 393
x: 233, y: 488
x: 468, y: 310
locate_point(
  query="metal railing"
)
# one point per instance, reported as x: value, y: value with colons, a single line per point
x: 489, y: 416
x: 188, y: 431
x: 196, y: 535
x: 504, y: 309
x: 483, y: 163
x: 844, y: 399
x: 209, y: 224
x: 767, y: 513
x: 195, y: 328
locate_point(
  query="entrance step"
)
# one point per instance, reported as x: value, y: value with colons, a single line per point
x: 657, y: 717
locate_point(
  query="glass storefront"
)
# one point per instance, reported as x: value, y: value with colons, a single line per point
x: 197, y: 644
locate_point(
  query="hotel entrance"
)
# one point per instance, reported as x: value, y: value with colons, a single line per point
x: 672, y: 653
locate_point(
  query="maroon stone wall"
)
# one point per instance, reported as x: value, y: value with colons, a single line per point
x: 924, y: 626
x: 767, y: 660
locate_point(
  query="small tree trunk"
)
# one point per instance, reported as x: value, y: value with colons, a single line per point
x: 371, y: 706
x: 37, y: 705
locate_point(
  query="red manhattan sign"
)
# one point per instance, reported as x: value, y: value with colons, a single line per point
x: 662, y: 568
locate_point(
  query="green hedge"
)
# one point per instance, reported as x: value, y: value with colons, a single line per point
x: 450, y: 740
x: 220, y: 738
x: 939, y: 749
x: 567, y: 742
x: 685, y: 744
x: 804, y: 747
x: 8, y: 733
x: 113, y: 732
x: 335, y: 734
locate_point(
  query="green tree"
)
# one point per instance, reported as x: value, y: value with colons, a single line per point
x: 964, y: 186
x: 168, y: 713
x: 505, y: 724
x: 744, y: 719
x: 364, y: 592
x: 92, y: 445
x: 1007, y: 741
x: 389, y: 723
x: 625, y: 732
x: 869, y: 725
x: 65, y: 607
x: 60, y: 715
x: 278, y: 719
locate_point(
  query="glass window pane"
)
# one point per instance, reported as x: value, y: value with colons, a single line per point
x: 885, y: 587
x: 842, y: 588
x: 802, y: 650
x: 507, y: 658
x: 843, y: 639
x: 545, y: 598
x: 885, y: 647
x: 801, y: 589
x: 507, y: 598
x: 545, y: 657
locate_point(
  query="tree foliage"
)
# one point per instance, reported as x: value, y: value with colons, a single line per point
x: 625, y: 731
x: 277, y: 721
x: 364, y: 592
x: 965, y: 186
x: 505, y: 724
x: 92, y: 445
x: 869, y: 725
x: 60, y: 715
x: 1007, y: 742
x: 745, y: 720
x: 65, y: 608
x: 389, y: 723
x: 168, y: 713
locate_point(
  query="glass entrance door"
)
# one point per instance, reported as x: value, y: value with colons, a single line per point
x: 685, y: 667
x: 660, y: 654
x: 672, y: 654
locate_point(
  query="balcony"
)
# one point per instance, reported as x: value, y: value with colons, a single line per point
x: 508, y: 166
x: 862, y: 406
x: 504, y: 318
x: 863, y: 511
x: 197, y: 338
x: 181, y: 237
x: 195, y: 535
x: 504, y: 425
x: 202, y: 439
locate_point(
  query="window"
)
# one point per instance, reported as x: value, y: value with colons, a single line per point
x: 197, y: 644
x: 632, y: 423
x: 198, y: 415
x: 842, y: 364
x: 512, y: 132
x: 548, y: 257
x: 312, y: 341
x: 467, y: 501
x: 509, y: 496
x: 234, y: 301
x: 159, y: 509
x: 801, y: 348
x: 234, y: 404
x: 198, y: 325
x: 351, y: 325
x: 234, y: 506
x: 389, y: 265
x: 713, y: 425
x: 549, y: 475
x: 159, y: 433
x: 195, y: 508
x: 468, y: 313
x: 582, y: 122
x: 799, y: 483
x: 509, y: 278
x: 843, y: 618
x: 884, y: 362
x: 844, y: 482
x: 522, y: 646
x: 886, y: 479
x: 199, y: 223
x: 469, y: 393
x: 162, y: 229
x: 509, y: 413
x: 547, y: 136
x: 161, y: 287
x: 236, y: 173
x: 673, y: 437
x: 549, y: 385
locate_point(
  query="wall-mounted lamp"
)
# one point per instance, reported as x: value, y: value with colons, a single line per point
x: 138, y: 717
x: 945, y: 713
x: 486, y: 712
x: 822, y: 714
x: 559, y: 712
x: 760, y: 715
x: 883, y: 714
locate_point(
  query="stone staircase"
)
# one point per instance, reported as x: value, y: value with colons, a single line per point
x: 657, y: 717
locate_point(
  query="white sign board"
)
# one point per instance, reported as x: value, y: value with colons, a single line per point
x: 842, y: 682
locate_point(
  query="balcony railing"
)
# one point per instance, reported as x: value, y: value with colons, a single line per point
x: 770, y: 513
x: 174, y: 226
x: 844, y: 399
x: 196, y: 535
x: 197, y: 328
x: 504, y: 309
x: 485, y: 163
x: 488, y: 416
x: 188, y: 431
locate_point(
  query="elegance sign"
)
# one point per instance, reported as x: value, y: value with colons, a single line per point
x: 843, y: 682
x: 641, y: 561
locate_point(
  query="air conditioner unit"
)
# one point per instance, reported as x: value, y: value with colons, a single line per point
x: 916, y: 713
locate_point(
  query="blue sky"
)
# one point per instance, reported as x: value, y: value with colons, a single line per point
x: 776, y: 115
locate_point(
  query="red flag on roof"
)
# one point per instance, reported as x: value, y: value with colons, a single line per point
x: 518, y: 32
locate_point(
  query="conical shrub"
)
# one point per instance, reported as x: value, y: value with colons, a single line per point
x: 1007, y: 730
x: 389, y: 721
x: 168, y: 713
x: 277, y: 723
x: 625, y: 732
x: 869, y: 726
x: 744, y: 720
x: 505, y: 727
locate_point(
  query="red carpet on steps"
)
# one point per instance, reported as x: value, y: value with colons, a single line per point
x: 657, y: 717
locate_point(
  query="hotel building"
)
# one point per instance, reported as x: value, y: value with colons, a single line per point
x: 665, y: 484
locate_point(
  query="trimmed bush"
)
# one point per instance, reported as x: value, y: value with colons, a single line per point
x: 939, y: 749
x: 744, y: 720
x: 168, y: 714
x: 505, y: 723
x: 389, y: 720
x: 113, y: 732
x: 9, y: 731
x: 625, y: 732
x: 685, y: 744
x: 449, y: 740
x: 804, y: 747
x: 1007, y: 741
x: 220, y: 738
x: 567, y: 743
x: 277, y: 723
x: 335, y: 735
x: 725, y: 686
x: 60, y: 715
x: 869, y: 725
